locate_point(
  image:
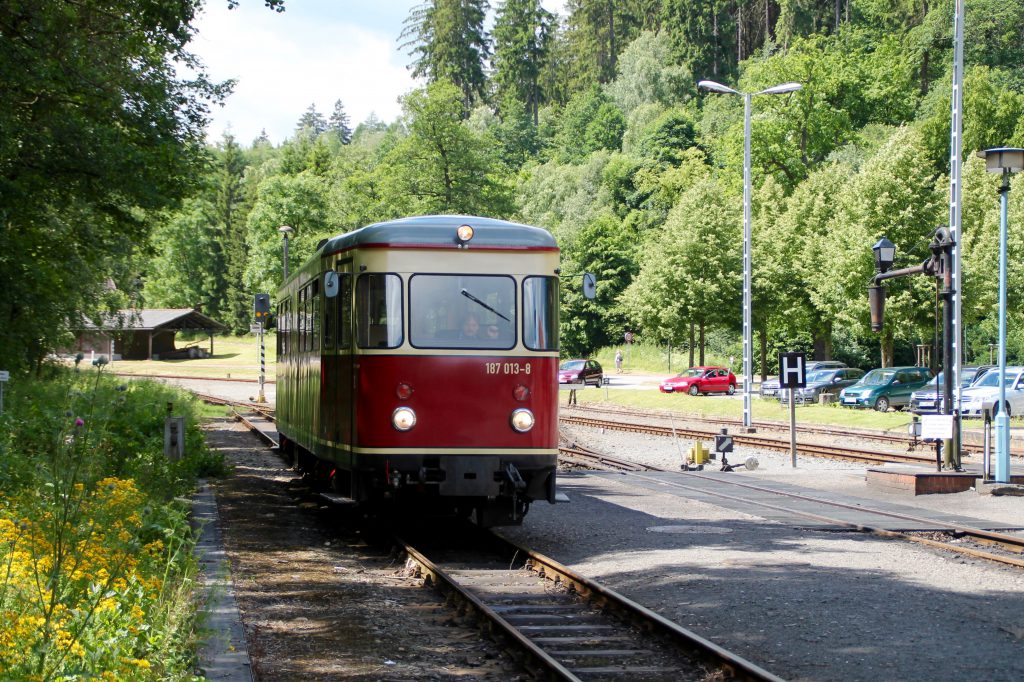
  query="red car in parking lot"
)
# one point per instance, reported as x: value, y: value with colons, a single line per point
x: 697, y: 380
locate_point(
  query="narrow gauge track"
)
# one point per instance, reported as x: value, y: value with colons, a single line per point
x: 749, y: 440
x: 803, y: 429
x: 565, y: 626
x: 1011, y: 547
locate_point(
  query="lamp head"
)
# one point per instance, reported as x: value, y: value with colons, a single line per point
x: 781, y: 89
x: 885, y: 254
x: 285, y: 230
x: 1003, y: 159
x: 717, y: 87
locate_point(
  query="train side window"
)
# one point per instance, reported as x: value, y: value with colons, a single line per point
x: 540, y: 313
x: 314, y: 315
x: 379, y: 311
x: 281, y: 326
x: 344, y: 299
x: 301, y: 340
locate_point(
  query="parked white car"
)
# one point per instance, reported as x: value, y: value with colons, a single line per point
x: 984, y: 394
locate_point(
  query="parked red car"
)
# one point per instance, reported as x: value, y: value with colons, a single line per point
x: 697, y: 380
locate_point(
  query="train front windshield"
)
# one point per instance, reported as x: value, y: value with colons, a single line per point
x: 479, y: 311
x: 463, y: 311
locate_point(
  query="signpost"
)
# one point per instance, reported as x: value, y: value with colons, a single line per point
x: 792, y: 375
x: 5, y: 376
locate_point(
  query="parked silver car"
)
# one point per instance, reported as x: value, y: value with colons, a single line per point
x: 984, y: 394
x: 822, y: 382
x: 770, y: 387
x: 929, y: 399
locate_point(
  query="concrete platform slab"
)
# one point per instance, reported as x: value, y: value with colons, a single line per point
x: 919, y: 481
x: 223, y: 656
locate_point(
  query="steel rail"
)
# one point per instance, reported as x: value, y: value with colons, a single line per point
x: 726, y: 665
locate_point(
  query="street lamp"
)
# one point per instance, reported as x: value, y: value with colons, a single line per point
x: 1005, y: 160
x: 285, y: 230
x: 748, y: 360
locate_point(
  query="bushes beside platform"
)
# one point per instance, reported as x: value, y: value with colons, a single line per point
x: 96, y: 564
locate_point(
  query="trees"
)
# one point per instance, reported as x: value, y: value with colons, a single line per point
x: 442, y: 166
x: 338, y: 123
x: 523, y: 32
x: 448, y: 43
x: 98, y: 130
x: 312, y: 122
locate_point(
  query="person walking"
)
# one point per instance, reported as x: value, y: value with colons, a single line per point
x: 618, y: 361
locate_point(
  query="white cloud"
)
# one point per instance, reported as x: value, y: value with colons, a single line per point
x: 285, y: 62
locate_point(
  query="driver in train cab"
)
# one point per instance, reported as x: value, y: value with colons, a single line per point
x: 470, y: 328
x: 492, y: 332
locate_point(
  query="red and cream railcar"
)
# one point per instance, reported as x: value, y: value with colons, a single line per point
x: 417, y: 362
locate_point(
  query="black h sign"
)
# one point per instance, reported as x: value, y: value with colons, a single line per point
x: 792, y: 370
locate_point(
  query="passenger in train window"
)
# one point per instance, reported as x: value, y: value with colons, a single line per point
x: 492, y: 332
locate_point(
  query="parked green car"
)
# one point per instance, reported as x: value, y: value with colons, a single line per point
x: 885, y: 387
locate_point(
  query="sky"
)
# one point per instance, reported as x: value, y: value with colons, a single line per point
x: 315, y: 52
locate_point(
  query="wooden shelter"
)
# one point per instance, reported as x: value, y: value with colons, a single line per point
x: 147, y: 334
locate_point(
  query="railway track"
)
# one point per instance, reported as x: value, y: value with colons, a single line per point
x: 559, y: 624
x: 964, y: 540
x: 897, y: 440
x: 751, y: 440
x: 564, y: 626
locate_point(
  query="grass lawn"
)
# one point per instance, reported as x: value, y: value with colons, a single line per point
x: 762, y: 409
x: 235, y: 357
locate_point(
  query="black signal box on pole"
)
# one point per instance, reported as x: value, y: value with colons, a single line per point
x: 261, y: 305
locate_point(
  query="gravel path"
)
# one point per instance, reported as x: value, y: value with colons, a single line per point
x: 807, y: 605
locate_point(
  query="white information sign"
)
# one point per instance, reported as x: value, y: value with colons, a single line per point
x: 255, y: 328
x: 937, y: 426
x: 5, y: 375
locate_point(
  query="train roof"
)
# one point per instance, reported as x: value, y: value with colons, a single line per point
x: 438, y: 231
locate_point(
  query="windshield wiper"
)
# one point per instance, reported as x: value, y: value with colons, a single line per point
x: 478, y: 301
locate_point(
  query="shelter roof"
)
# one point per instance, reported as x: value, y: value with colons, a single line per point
x: 151, y: 319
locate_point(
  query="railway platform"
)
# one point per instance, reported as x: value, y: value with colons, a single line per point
x: 917, y: 480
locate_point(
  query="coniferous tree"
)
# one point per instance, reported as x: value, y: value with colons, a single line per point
x: 449, y: 43
x: 339, y: 123
x: 312, y: 121
x: 229, y: 200
x: 523, y: 31
x: 704, y: 35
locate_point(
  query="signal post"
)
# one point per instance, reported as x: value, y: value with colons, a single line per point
x: 261, y: 309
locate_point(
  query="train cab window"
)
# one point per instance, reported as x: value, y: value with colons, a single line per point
x: 462, y: 311
x: 330, y: 322
x: 344, y: 310
x: 379, y: 311
x: 540, y: 313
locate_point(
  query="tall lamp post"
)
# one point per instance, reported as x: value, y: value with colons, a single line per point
x: 285, y: 230
x: 748, y: 360
x: 1005, y: 160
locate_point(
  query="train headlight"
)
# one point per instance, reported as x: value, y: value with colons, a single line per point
x: 522, y: 420
x: 464, y: 233
x: 403, y: 418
